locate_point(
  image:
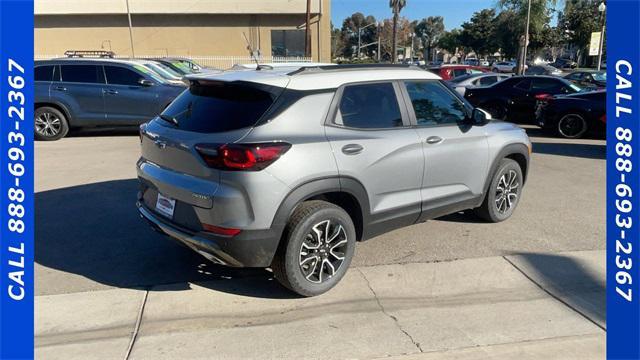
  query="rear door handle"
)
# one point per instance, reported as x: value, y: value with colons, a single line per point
x: 434, y: 139
x: 110, y: 91
x: 60, y: 88
x: 352, y: 149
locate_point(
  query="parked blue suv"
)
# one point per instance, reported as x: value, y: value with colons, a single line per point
x: 82, y: 92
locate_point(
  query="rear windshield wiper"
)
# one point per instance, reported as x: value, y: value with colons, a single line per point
x: 168, y: 118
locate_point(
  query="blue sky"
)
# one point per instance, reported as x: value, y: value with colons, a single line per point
x: 455, y: 12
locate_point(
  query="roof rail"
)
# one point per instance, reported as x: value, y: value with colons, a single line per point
x: 91, y: 53
x: 313, y: 69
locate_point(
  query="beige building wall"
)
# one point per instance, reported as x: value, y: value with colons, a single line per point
x: 187, y: 34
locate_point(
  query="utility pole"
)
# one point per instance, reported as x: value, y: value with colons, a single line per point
x: 602, y: 8
x: 379, y: 37
x: 133, y: 52
x: 523, y: 65
x: 307, y: 33
x: 359, y: 32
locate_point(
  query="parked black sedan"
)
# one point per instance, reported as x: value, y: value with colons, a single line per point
x: 573, y: 116
x: 588, y: 79
x: 515, y: 99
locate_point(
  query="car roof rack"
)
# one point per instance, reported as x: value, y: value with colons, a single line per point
x: 89, y: 53
x: 321, y: 68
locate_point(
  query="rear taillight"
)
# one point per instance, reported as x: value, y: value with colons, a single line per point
x: 544, y: 97
x: 603, y: 118
x: 248, y: 157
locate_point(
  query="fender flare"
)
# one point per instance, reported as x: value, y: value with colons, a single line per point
x: 317, y: 187
x: 506, y: 151
x: 63, y: 107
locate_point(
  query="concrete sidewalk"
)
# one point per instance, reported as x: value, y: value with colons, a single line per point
x: 521, y: 306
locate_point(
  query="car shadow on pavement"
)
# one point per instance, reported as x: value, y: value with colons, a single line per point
x: 587, y: 151
x: 568, y: 279
x: 95, y: 231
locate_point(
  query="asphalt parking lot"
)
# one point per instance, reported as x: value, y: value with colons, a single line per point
x: 90, y: 240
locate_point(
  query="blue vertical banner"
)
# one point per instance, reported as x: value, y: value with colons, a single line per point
x: 16, y: 179
x: 623, y: 179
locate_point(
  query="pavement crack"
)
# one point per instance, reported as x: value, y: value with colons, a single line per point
x: 565, y: 303
x: 395, y: 319
x: 136, y: 329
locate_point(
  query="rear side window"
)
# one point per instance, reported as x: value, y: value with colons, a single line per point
x: 459, y: 72
x: 545, y: 84
x: 523, y: 85
x: 91, y: 74
x: 369, y: 106
x: 43, y: 73
x: 488, y: 80
x: 117, y: 75
x: 217, y: 107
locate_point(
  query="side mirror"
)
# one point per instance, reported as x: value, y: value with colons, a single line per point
x: 145, y: 82
x: 480, y: 117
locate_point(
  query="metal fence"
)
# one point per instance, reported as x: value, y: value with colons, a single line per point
x: 220, y: 62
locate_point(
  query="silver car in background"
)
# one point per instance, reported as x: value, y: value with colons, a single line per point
x: 462, y: 83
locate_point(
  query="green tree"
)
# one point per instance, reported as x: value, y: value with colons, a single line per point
x: 479, y: 33
x: 396, y: 6
x: 429, y: 30
x: 450, y: 41
x: 507, y: 33
x: 349, y: 36
x: 516, y: 23
x: 578, y: 21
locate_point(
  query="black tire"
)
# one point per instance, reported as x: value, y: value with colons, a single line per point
x: 572, y: 126
x: 50, y: 124
x: 493, y: 209
x: 289, y: 264
x: 497, y: 110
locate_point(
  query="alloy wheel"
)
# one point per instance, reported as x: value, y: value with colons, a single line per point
x: 323, y: 251
x: 572, y: 126
x: 507, y: 191
x: 48, y: 124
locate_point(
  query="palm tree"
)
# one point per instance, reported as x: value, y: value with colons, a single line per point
x: 396, y: 6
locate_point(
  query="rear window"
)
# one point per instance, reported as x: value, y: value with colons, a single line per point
x: 43, y: 73
x: 218, y: 107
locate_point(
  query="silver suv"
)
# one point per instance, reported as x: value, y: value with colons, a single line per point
x: 288, y: 168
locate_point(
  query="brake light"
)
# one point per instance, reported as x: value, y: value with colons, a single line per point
x: 603, y: 118
x: 220, y: 230
x: 248, y: 157
x: 544, y: 97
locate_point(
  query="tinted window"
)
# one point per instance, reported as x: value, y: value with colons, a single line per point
x: 461, y: 78
x: 459, y: 72
x: 545, y: 84
x: 219, y: 107
x: 122, y: 76
x: 575, y: 76
x: 369, y: 106
x: 43, y: 73
x: 82, y: 74
x: 523, y: 85
x: 433, y: 104
x: 488, y: 80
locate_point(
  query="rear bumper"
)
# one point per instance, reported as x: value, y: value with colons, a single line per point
x: 250, y: 248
